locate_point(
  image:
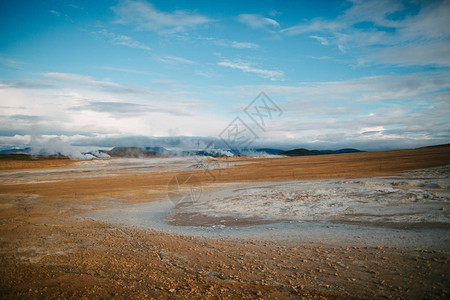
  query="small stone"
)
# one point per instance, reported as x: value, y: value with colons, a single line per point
x: 172, y: 290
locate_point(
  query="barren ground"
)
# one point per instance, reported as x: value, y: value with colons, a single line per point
x: 49, y: 249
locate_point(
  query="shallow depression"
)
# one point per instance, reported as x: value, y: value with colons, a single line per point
x: 390, y: 211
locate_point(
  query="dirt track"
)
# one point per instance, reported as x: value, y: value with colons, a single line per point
x: 47, y: 252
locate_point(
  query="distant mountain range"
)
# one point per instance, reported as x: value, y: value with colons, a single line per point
x: 152, y: 149
x: 16, y: 151
x: 207, y: 152
x: 160, y: 151
x: 20, y: 156
x: 306, y: 152
x: 134, y: 152
x: 146, y: 152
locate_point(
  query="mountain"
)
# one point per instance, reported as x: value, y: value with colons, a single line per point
x: 157, y: 149
x: 23, y: 156
x: 306, y: 152
x: 300, y: 152
x: 268, y: 150
x: 15, y: 151
x: 236, y: 152
x: 153, y: 149
x: 132, y: 152
x: 161, y: 151
x: 345, y: 150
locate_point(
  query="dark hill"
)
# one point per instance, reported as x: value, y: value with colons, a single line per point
x: 345, y: 150
x: 16, y: 151
x: 306, y: 152
x: 268, y: 150
x: 132, y: 152
x: 300, y: 152
x: 19, y: 156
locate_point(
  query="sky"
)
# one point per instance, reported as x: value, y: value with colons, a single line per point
x: 372, y: 75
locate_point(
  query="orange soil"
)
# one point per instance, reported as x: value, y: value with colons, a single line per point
x: 352, y: 165
x: 45, y: 253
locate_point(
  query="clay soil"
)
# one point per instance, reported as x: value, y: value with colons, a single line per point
x: 48, y: 251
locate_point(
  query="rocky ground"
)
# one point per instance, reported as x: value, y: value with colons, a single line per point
x: 90, y: 259
x: 50, y: 250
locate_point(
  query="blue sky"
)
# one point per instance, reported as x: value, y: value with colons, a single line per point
x: 364, y: 74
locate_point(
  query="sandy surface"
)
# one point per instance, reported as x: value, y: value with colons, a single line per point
x: 363, y: 225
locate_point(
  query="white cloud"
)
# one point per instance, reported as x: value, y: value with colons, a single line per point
x: 12, y: 63
x: 371, y: 89
x: 431, y: 23
x: 241, y: 45
x: 320, y: 39
x: 107, y: 88
x: 126, y: 70
x: 436, y: 54
x: 371, y: 129
x: 122, y: 40
x: 54, y: 12
x: 375, y: 11
x: 146, y: 17
x: 417, y: 36
x: 232, y: 44
x: 171, y: 59
x: 257, y: 21
x: 77, y: 79
x: 274, y: 13
x: 76, y: 104
x: 405, y: 111
x: 248, y: 68
x: 316, y: 25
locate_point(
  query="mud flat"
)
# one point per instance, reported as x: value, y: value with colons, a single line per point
x: 409, y: 210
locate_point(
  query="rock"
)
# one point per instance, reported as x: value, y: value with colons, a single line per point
x: 432, y: 185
